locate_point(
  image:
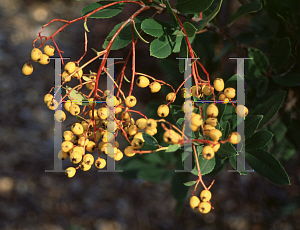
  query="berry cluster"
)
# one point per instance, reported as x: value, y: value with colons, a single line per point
x: 204, y: 205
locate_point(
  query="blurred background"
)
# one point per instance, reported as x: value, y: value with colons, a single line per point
x: 31, y: 199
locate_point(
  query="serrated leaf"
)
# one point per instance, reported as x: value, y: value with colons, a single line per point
x: 270, y: 107
x: 258, y: 140
x: 173, y: 148
x: 162, y: 47
x: 243, y: 10
x: 290, y: 79
x: 251, y: 124
x: 104, y: 13
x: 150, y: 139
x: 201, y: 24
x: 267, y: 166
x: 192, y: 6
x: 226, y: 150
x: 190, y: 183
x: 259, y: 58
x: 280, y: 53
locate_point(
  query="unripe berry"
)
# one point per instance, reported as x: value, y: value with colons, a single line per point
x: 36, y: 55
x: 88, y: 159
x: 205, y: 195
x: 130, y: 101
x: 215, y: 134
x: 48, y: 97
x: 70, y: 172
x: 68, y: 135
x: 141, y: 123
x: 75, y: 157
x: 103, y: 113
x: 208, y: 152
x: 155, y: 87
x: 241, y: 111
x: 100, y: 163
x: 171, y: 97
x: 60, y: 116
x: 84, y: 167
x: 219, y: 84
x: 234, y: 138
x: 194, y: 202
x: 74, y: 109
x: 142, y: 81
x: 77, y: 128
x: 229, y: 92
x: 204, y: 207
x: 78, y: 74
x: 129, y: 151
x: 62, y: 155
x: 49, y: 50
x: 27, y: 69
x: 212, y: 110
x: 163, y: 111
x: 70, y: 67
x: 44, y: 60
x: 90, y: 146
x: 137, y: 143
x: 206, y: 90
x: 66, y: 146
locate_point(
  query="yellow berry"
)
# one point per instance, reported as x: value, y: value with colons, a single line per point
x: 27, y: 69
x: 171, y: 97
x: 196, y: 119
x: 141, y: 123
x: 70, y: 172
x: 213, y: 121
x: 60, y: 115
x: 142, y: 81
x: 77, y: 128
x: 219, y: 84
x: 241, y: 111
x: 204, y: 207
x: 229, y: 92
x: 215, y: 146
x: 208, y: 152
x: 194, y: 202
x: 74, y: 109
x: 75, y: 157
x: 88, y: 159
x: 100, y: 163
x: 119, y: 155
x: 62, y: 155
x: 48, y: 97
x: 36, y: 55
x: 66, y: 146
x: 206, y: 90
x: 70, y: 67
x: 68, y: 135
x: 90, y: 146
x: 163, y: 111
x: 78, y: 74
x: 205, y: 195
x: 137, y: 143
x: 212, y: 110
x: 130, y: 101
x: 49, y: 50
x: 215, y: 134
x: 44, y: 60
x: 129, y: 151
x: 84, y: 167
x: 234, y: 138
x: 155, y: 87
x: 103, y: 113
x: 151, y: 123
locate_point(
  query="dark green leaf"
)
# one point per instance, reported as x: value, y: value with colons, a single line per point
x: 190, y: 183
x: 179, y: 123
x: 270, y: 107
x: 206, y: 166
x: 179, y: 190
x: 183, y: 54
x: 280, y: 52
x: 162, y: 47
x: 201, y: 24
x: 150, y: 139
x: 192, y: 6
x: 189, y: 29
x: 251, y: 124
x: 156, y: 28
x: 268, y: 166
x: 104, y: 13
x: 154, y: 174
x: 179, y: 39
x: 290, y: 79
x: 232, y: 161
x: 262, y: 86
x: 171, y: 13
x: 259, y: 58
x: 243, y: 10
x: 258, y: 140
x: 226, y: 150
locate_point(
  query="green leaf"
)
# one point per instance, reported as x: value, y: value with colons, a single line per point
x: 243, y: 10
x: 201, y: 24
x: 206, y: 166
x: 251, y: 124
x: 262, y: 86
x: 268, y: 166
x: 171, y: 12
x: 192, y: 6
x: 173, y: 148
x: 104, y: 13
x: 190, y: 29
x: 180, y: 122
x: 270, y: 107
x: 124, y: 37
x: 162, y: 47
x: 290, y: 79
x: 179, y: 39
x: 75, y: 96
x: 190, y: 183
x: 226, y: 150
x: 259, y: 58
x: 258, y: 140
x: 183, y: 53
x: 150, y: 139
x: 155, y: 27
x: 280, y: 53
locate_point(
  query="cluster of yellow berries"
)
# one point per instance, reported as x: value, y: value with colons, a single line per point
x: 203, y: 205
